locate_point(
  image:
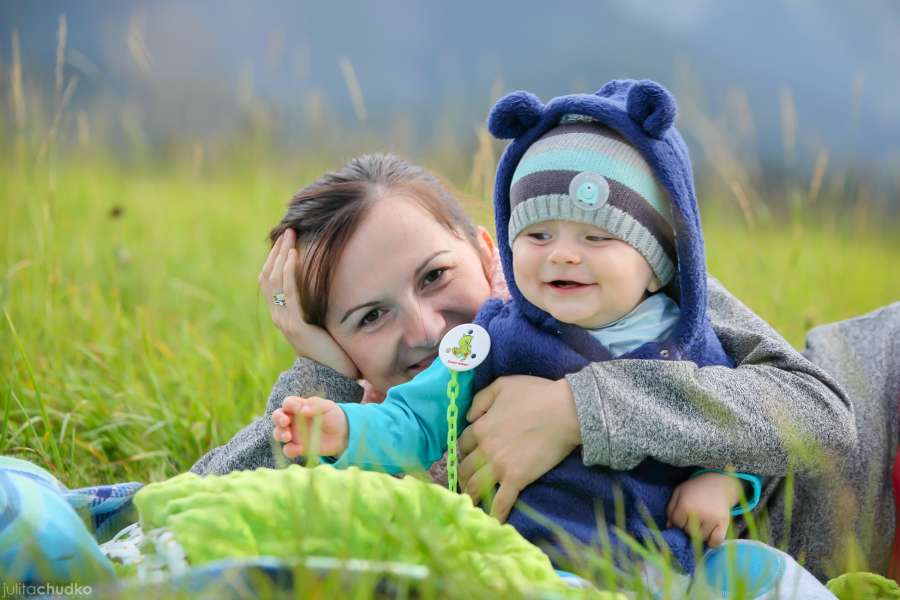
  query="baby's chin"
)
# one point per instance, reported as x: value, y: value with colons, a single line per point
x: 569, y: 316
x: 585, y: 321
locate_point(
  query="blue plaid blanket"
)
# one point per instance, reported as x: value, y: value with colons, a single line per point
x: 49, y: 533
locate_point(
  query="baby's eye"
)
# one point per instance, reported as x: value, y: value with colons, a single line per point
x: 539, y: 236
x: 432, y: 276
x: 597, y: 238
x: 371, y: 317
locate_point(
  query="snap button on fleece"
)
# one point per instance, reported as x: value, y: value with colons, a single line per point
x: 589, y: 190
x: 664, y: 353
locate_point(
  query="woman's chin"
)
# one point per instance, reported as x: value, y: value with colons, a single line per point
x: 420, y: 366
x: 414, y: 371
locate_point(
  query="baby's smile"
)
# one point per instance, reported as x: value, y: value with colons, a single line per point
x: 567, y: 285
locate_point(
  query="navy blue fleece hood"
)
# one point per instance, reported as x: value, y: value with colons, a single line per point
x: 526, y: 340
x: 643, y: 112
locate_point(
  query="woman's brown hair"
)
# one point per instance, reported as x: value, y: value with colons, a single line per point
x: 326, y: 213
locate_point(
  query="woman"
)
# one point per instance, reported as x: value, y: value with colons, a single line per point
x: 391, y: 263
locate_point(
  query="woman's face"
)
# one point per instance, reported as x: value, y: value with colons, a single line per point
x: 403, y: 281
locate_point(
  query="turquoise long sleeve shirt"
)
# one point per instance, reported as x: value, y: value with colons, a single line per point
x: 408, y: 431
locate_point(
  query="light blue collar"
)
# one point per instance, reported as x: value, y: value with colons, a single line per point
x: 650, y: 321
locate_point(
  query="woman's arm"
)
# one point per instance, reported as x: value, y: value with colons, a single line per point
x: 749, y: 416
x: 623, y: 411
x: 253, y: 446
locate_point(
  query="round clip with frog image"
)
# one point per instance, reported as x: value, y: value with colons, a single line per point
x: 465, y: 347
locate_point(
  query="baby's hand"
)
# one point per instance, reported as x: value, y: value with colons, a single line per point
x: 705, y: 502
x: 299, y: 419
x: 283, y: 424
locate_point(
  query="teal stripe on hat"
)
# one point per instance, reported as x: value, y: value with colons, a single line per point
x: 580, y: 160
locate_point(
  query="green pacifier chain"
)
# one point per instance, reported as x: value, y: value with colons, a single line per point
x: 462, y: 349
x: 452, y: 450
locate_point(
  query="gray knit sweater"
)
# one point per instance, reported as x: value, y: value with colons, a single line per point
x: 843, y: 401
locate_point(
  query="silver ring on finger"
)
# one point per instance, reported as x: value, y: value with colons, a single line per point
x: 279, y: 300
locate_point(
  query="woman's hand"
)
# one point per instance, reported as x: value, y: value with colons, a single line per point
x: 278, y: 276
x: 522, y: 427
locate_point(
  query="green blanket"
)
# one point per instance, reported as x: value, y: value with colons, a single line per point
x: 864, y: 586
x: 299, y: 512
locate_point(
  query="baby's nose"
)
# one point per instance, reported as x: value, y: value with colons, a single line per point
x: 565, y: 255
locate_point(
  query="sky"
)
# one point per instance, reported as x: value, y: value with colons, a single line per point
x: 192, y: 68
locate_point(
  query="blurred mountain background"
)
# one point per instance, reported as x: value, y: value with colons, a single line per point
x: 768, y: 90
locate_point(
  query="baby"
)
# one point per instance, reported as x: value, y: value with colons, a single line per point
x: 592, y: 195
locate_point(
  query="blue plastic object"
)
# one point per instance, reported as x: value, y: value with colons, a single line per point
x: 42, y: 538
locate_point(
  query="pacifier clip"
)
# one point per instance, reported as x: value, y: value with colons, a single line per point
x: 462, y: 349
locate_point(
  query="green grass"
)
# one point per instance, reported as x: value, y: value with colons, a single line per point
x: 143, y: 331
x: 133, y: 337
x: 800, y: 272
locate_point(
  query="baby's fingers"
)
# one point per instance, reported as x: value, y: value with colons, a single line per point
x: 292, y: 450
x: 292, y: 404
x: 718, y: 535
x: 706, y: 527
x: 673, y: 504
x: 315, y: 406
x: 280, y: 418
x: 282, y: 434
x: 678, y: 517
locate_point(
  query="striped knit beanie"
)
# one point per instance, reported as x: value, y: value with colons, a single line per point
x: 585, y: 172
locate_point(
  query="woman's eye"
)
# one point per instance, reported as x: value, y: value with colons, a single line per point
x: 370, y: 317
x: 432, y: 276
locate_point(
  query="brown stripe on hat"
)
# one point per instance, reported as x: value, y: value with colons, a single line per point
x: 629, y: 201
x: 541, y: 183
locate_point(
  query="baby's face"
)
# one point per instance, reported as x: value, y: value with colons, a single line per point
x: 579, y: 273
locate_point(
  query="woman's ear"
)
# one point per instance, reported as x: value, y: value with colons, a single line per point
x: 486, y: 251
x: 654, y: 285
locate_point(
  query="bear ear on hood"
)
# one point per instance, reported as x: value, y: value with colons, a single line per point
x: 514, y: 114
x: 616, y: 87
x: 652, y: 107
